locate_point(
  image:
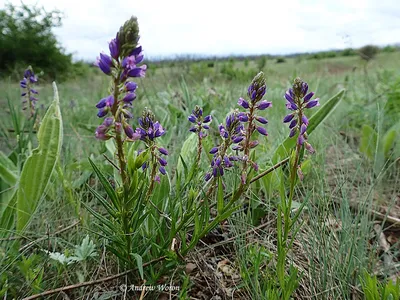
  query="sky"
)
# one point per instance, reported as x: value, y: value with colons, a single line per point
x: 171, y: 28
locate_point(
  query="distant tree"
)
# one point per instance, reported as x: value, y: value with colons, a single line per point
x: 389, y: 49
x: 26, y: 38
x: 368, y: 52
x: 348, y: 52
x: 280, y: 60
x: 246, y: 62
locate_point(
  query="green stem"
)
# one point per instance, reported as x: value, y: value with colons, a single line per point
x: 152, y: 175
x: 199, y: 149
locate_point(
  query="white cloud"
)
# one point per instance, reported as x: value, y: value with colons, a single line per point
x: 219, y: 27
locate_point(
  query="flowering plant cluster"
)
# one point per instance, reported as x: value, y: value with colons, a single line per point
x: 137, y: 207
x: 122, y: 65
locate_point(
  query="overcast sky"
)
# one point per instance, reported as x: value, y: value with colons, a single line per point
x: 219, y: 27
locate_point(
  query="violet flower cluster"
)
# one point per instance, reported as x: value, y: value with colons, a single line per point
x: 232, y: 133
x: 148, y: 132
x: 122, y: 64
x: 27, y: 84
x: 298, y: 100
x: 201, y: 125
x: 255, y: 92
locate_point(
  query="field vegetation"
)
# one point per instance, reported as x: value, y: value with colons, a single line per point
x: 76, y: 223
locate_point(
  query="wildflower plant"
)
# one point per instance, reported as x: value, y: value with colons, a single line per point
x: 147, y: 220
x: 29, y: 93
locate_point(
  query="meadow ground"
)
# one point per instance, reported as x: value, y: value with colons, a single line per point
x: 350, y: 223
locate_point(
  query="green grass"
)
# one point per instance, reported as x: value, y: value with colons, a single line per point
x: 337, y: 241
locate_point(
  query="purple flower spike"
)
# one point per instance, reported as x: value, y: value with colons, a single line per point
x: 163, y: 151
x: 261, y: 120
x: 312, y: 103
x: 243, y: 103
x: 262, y: 130
x: 264, y: 104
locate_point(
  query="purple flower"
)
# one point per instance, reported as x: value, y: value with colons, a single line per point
x: 114, y: 48
x: 129, y: 132
x: 137, y: 72
x: 149, y: 128
x: 162, y: 170
x: 214, y: 150
x: 288, y: 118
x: 243, y: 103
x: 192, y: 119
x: 162, y: 161
x: 105, y: 63
x: 263, y: 105
x: 27, y: 84
x: 313, y: 103
x: 129, y: 97
x: 130, y: 86
x: 243, y: 117
x: 262, y: 130
x: 237, y: 139
x: 163, y: 151
x: 298, y: 100
x: 261, y: 120
x: 104, y: 106
x: 207, y: 119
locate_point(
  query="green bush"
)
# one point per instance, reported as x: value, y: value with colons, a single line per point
x: 27, y: 39
x: 368, y: 52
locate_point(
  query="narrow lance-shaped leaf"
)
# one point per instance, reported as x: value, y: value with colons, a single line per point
x: 36, y: 173
x: 8, y: 171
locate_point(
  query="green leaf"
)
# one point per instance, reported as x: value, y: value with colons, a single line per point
x: 289, y: 143
x: 139, y: 262
x: 368, y: 142
x: 188, y: 153
x: 107, y: 186
x: 388, y: 141
x: 8, y: 171
x: 37, y: 170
